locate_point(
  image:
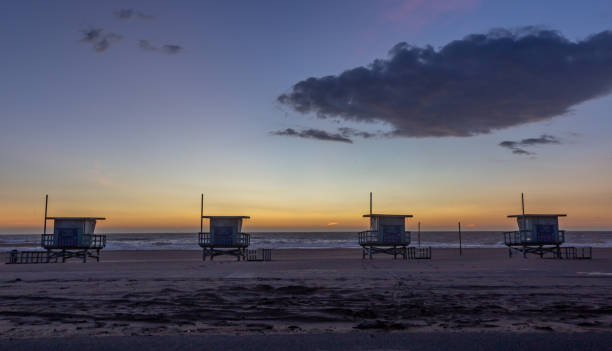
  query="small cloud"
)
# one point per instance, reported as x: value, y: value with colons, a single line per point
x: 98, y: 40
x: 127, y: 14
x: 171, y: 49
x: 519, y: 151
x: 350, y: 132
x: 344, y: 134
x: 543, y: 139
x: 331, y: 224
x: 166, y: 49
x: 312, y: 134
x: 518, y: 147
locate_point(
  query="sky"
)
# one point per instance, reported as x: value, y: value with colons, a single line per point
x: 292, y: 112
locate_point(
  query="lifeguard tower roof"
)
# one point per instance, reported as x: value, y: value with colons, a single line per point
x: 388, y: 215
x: 78, y: 218
x: 227, y: 217
x: 537, y: 215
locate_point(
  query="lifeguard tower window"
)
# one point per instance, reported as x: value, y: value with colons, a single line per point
x: 392, y: 233
x: 68, y: 236
x: 545, y: 233
x: 223, y: 235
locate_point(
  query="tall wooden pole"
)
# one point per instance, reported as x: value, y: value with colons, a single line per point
x: 523, y: 209
x: 370, y: 203
x: 202, y: 213
x: 460, y: 248
x: 46, y: 203
x: 419, y: 234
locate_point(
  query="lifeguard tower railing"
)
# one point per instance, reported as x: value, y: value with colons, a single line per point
x: 527, y: 238
x: 241, y: 240
x: 526, y: 241
x: 388, y: 243
x: 83, y: 242
x: 372, y: 238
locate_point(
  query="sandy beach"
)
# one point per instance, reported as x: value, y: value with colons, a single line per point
x: 138, y: 293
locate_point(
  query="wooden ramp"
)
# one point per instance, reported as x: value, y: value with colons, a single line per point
x: 419, y: 253
x: 27, y: 257
x: 259, y: 255
x: 576, y: 253
x: 50, y: 256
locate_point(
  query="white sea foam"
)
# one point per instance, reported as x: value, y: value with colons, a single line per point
x: 188, y: 241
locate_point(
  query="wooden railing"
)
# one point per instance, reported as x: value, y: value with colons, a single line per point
x: 576, y: 253
x: 84, y: 241
x: 232, y: 240
x: 371, y: 237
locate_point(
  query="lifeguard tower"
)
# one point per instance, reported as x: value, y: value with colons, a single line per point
x: 540, y: 234
x: 72, y: 237
x: 387, y: 234
x: 225, y: 236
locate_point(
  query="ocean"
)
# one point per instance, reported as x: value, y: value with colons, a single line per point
x: 294, y: 240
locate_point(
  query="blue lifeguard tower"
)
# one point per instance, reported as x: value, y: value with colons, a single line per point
x: 387, y: 234
x: 72, y: 237
x: 540, y: 234
x: 225, y: 236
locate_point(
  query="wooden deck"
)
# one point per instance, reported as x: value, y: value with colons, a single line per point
x: 87, y: 242
x: 525, y: 242
x: 234, y: 245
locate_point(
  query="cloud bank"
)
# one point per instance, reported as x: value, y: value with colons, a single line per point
x: 475, y: 85
x: 518, y: 147
x: 99, y: 40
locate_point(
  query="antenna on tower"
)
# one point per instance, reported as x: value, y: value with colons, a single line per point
x: 370, y: 203
x: 46, y: 203
x: 201, y: 213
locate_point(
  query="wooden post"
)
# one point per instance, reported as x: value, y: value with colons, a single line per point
x: 201, y: 213
x: 524, y: 219
x: 419, y: 234
x: 46, y: 203
x: 460, y: 248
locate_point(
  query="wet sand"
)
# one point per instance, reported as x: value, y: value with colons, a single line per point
x: 306, y: 292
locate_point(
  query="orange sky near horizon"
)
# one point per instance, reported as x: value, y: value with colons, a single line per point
x: 281, y: 214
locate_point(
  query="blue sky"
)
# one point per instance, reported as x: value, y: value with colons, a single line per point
x: 136, y: 135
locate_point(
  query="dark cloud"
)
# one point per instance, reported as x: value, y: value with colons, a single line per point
x: 471, y: 86
x: 127, y: 14
x: 166, y: 49
x: 543, y: 139
x: 99, y: 40
x: 350, y: 132
x: 171, y: 49
x: 313, y: 134
x: 518, y: 147
x: 520, y: 151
